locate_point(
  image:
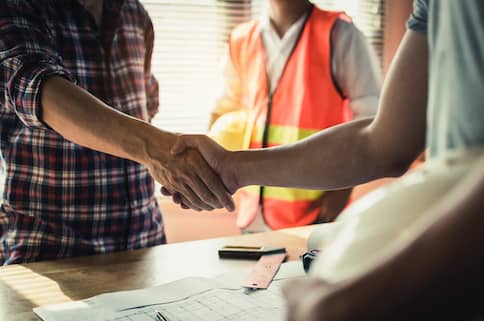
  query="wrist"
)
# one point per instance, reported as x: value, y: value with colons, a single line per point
x: 240, y: 168
x: 147, y: 143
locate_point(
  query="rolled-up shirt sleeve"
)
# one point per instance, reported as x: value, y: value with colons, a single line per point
x: 27, y: 59
x: 152, y: 86
x: 418, y: 20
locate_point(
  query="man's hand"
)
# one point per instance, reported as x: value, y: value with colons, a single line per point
x: 331, y: 203
x: 215, y: 155
x: 189, y: 177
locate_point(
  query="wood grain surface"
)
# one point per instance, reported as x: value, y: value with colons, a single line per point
x: 25, y: 286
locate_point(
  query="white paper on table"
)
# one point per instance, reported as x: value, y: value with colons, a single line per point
x: 188, y: 299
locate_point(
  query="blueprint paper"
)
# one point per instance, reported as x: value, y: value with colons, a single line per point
x: 189, y: 299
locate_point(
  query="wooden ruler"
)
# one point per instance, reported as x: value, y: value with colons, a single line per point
x: 264, y: 271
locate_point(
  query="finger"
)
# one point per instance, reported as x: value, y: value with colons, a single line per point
x: 192, y: 198
x: 204, y: 193
x: 186, y: 204
x: 165, y: 191
x: 208, y: 186
x: 217, y: 188
x: 183, y: 203
x: 179, y: 198
x: 180, y: 185
x: 223, y: 197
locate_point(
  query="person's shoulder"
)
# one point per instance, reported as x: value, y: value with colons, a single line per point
x: 343, y: 24
x: 137, y: 13
x: 137, y: 8
x: 245, y: 27
x: 244, y: 30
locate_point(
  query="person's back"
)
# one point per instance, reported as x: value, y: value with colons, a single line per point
x: 62, y: 199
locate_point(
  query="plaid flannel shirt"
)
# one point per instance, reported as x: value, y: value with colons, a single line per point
x: 61, y: 199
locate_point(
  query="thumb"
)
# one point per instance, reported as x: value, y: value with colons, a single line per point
x: 182, y: 143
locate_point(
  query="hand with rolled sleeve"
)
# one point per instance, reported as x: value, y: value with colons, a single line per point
x: 83, y: 119
x: 41, y: 91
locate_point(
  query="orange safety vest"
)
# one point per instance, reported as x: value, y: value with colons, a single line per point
x: 306, y: 101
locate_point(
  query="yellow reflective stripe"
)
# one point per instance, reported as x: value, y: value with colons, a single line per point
x: 279, y: 135
x: 286, y: 194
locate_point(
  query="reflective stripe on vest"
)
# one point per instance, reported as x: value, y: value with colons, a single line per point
x: 286, y: 194
x: 305, y: 101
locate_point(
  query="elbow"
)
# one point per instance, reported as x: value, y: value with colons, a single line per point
x: 390, y: 158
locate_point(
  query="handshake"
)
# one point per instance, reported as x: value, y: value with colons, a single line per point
x: 199, y: 174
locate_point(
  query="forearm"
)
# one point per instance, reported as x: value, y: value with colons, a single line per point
x: 358, y: 151
x: 435, y: 274
x: 85, y: 120
x: 338, y: 157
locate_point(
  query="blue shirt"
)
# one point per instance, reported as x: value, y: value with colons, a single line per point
x: 455, y: 115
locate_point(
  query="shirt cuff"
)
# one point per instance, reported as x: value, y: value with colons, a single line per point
x: 25, y: 89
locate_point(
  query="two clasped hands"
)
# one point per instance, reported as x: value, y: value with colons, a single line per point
x: 203, y: 176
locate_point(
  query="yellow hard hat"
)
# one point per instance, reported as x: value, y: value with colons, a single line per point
x: 229, y: 130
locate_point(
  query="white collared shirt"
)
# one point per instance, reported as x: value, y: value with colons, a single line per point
x: 278, y: 49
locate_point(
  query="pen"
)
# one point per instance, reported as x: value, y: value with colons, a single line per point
x: 160, y: 317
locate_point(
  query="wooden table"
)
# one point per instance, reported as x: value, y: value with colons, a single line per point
x: 23, y: 287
